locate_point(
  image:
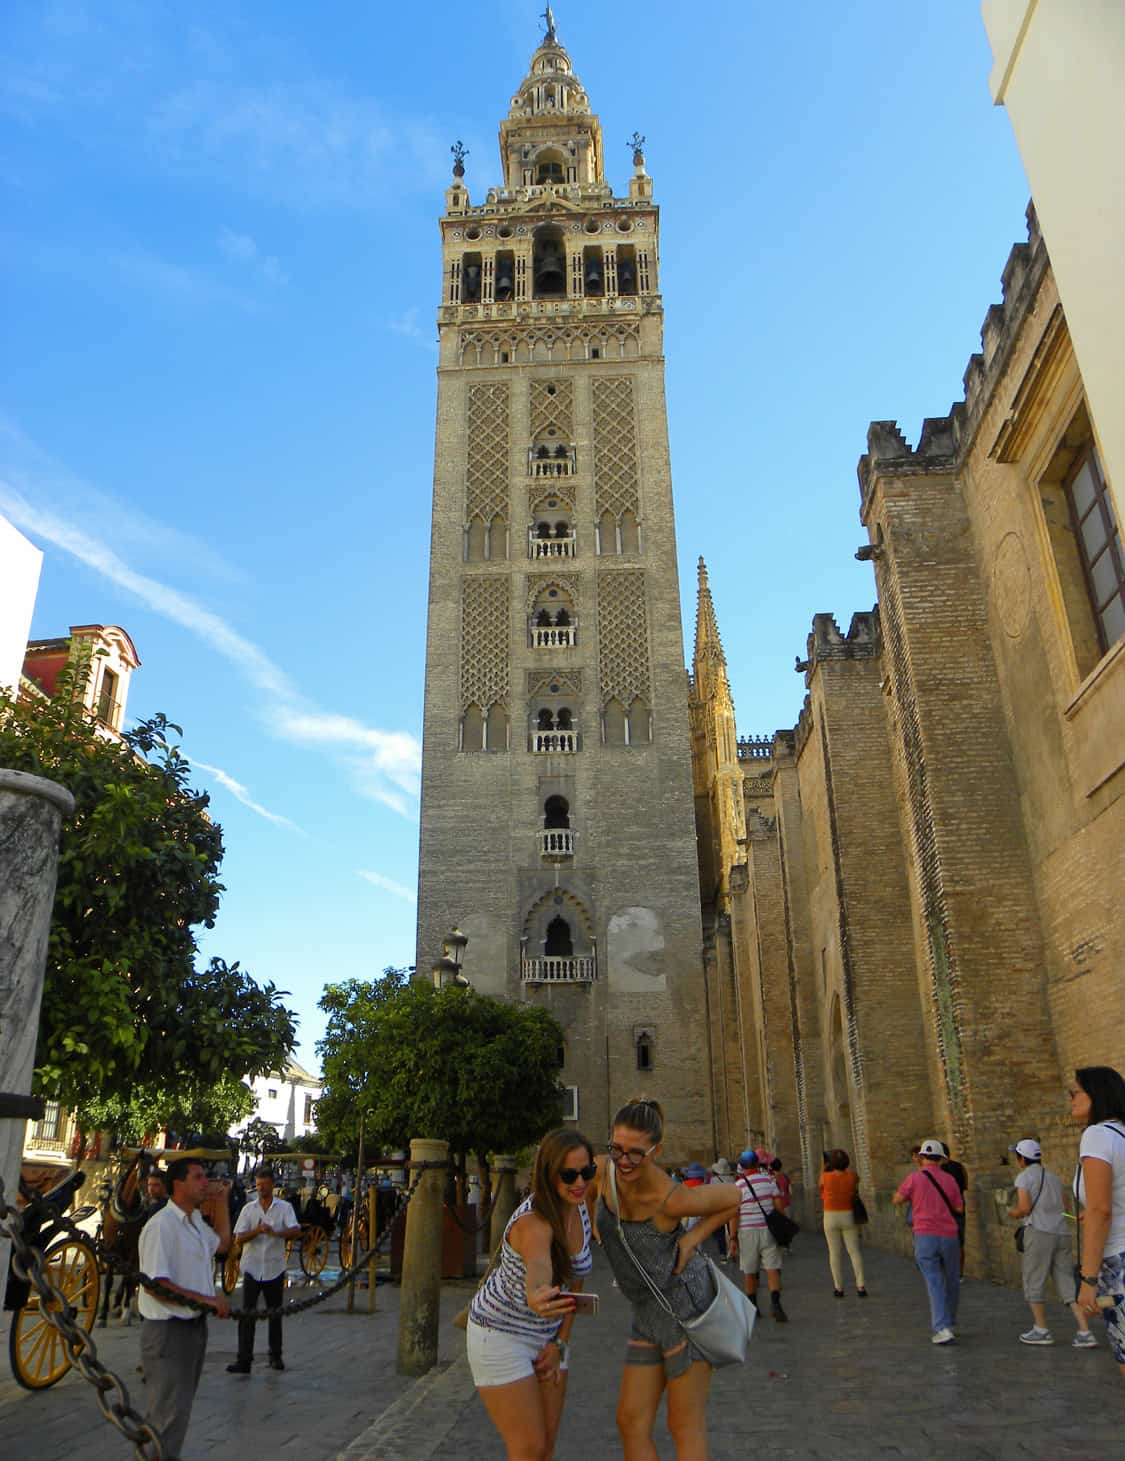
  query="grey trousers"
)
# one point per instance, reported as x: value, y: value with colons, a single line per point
x: 172, y: 1352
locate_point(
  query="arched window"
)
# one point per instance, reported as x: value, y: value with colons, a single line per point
x: 498, y: 538
x: 562, y: 529
x: 556, y: 812
x: 630, y: 532
x: 548, y: 263
x: 640, y: 723
x: 497, y: 729
x: 559, y: 944
x: 545, y: 720
x: 564, y: 721
x: 543, y: 618
x: 472, y: 729
x: 475, y: 540
x: 543, y: 531
x: 613, y: 720
x: 644, y: 1051
x: 607, y: 534
x: 562, y: 617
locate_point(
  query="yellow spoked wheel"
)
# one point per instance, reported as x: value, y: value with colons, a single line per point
x: 39, y: 1355
x: 346, y: 1250
x: 229, y: 1279
x: 314, y: 1249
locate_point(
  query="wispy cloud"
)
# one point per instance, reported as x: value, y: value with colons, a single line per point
x: 385, y: 764
x: 242, y: 793
x: 244, y: 250
x: 184, y: 286
x: 406, y: 325
x: 388, y: 885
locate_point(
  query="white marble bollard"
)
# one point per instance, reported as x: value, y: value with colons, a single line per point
x: 31, y: 813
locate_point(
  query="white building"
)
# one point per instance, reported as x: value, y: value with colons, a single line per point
x: 20, y: 563
x: 286, y: 1099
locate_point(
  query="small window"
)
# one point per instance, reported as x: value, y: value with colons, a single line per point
x: 570, y: 1103
x: 272, y: 1093
x: 503, y: 357
x: 308, y: 1109
x: 47, y: 1128
x: 560, y: 1056
x: 107, y: 698
x: 595, y: 353
x: 644, y: 1052
x: 1099, y: 547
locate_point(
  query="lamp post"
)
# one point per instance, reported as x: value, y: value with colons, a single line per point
x: 447, y: 970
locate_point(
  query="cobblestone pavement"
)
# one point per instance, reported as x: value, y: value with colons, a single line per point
x: 844, y: 1379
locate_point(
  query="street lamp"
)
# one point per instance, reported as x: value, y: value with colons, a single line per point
x: 447, y: 970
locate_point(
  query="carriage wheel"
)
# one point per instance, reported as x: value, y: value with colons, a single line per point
x: 314, y: 1250
x: 39, y: 1355
x: 229, y: 1277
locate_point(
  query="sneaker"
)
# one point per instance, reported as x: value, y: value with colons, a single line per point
x: 838, y: 1293
x: 238, y: 1368
x: 1037, y: 1336
x: 861, y: 1293
x: 1084, y: 1340
x: 779, y: 1314
x: 943, y: 1336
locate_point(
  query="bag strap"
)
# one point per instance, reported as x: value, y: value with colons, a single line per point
x: 941, y: 1191
x: 1039, y: 1194
x: 757, y: 1199
x: 636, y: 1262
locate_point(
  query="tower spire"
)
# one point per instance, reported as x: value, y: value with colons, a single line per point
x: 549, y: 19
x: 708, y: 640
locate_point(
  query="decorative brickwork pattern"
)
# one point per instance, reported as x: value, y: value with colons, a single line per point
x: 489, y: 455
x: 552, y: 404
x: 549, y: 343
x: 540, y: 682
x: 485, y: 641
x: 623, y: 663
x: 536, y: 586
x: 615, y: 447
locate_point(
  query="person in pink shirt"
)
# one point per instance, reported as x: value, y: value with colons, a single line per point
x: 935, y: 1199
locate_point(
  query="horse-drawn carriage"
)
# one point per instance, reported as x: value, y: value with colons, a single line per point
x: 317, y: 1219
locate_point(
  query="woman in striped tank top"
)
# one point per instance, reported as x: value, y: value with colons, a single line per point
x: 520, y: 1317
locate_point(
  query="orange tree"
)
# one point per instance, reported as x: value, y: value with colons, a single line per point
x: 126, y: 1013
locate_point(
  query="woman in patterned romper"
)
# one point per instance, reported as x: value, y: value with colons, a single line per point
x: 1097, y: 1102
x: 659, y: 1355
x: 520, y: 1317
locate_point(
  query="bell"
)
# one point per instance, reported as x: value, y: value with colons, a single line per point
x: 505, y: 284
x: 593, y: 276
x: 550, y: 269
x: 626, y: 276
x: 472, y: 281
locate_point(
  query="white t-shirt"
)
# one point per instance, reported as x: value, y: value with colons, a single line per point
x: 765, y: 1189
x: 263, y: 1257
x: 1047, y: 1204
x: 181, y: 1248
x: 1104, y: 1142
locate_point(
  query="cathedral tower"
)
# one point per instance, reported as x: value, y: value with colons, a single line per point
x: 557, y: 815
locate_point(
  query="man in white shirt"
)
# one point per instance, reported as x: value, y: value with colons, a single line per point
x: 757, y: 1248
x: 263, y: 1227
x: 178, y: 1248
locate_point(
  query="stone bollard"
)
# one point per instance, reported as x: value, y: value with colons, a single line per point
x: 503, y: 1197
x: 420, y: 1298
x: 31, y: 813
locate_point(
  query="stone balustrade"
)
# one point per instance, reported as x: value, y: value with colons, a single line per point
x: 554, y: 636
x: 554, y: 743
x: 556, y: 842
x: 552, y: 547
x: 576, y: 969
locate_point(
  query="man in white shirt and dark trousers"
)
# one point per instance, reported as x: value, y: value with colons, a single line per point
x: 263, y: 1227
x: 178, y: 1248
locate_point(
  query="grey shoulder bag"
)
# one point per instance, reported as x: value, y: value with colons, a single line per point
x: 722, y: 1332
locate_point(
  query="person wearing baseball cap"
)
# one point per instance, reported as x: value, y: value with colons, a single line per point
x: 936, y: 1201
x: 1039, y: 1204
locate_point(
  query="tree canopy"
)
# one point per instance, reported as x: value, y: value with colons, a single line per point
x: 125, y: 1011
x: 416, y: 1061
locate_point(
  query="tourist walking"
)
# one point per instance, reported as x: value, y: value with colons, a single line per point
x: 757, y: 1247
x: 636, y: 1193
x: 520, y: 1317
x: 1044, y: 1244
x: 838, y: 1190
x: 957, y: 1171
x: 1097, y: 1100
x: 263, y: 1228
x: 936, y: 1201
x: 178, y: 1248
x: 784, y: 1185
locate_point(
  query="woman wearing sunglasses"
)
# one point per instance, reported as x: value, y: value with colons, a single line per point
x: 520, y: 1317
x: 656, y: 1211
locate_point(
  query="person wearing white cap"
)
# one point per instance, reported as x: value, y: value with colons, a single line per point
x: 1040, y: 1205
x: 936, y: 1201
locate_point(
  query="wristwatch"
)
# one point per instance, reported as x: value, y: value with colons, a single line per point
x: 563, y: 1348
x: 1085, y: 1278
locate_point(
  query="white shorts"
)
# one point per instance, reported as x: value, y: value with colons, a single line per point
x: 500, y: 1359
x: 757, y: 1249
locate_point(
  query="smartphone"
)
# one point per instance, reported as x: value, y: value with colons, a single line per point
x: 585, y: 1303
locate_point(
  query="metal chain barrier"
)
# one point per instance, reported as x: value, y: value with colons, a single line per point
x: 30, y: 1265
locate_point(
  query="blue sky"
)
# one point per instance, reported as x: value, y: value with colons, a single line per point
x: 221, y: 268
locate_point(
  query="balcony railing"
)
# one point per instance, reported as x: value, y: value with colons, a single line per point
x: 561, y: 743
x: 554, y: 636
x: 551, y: 466
x: 551, y: 547
x: 556, y: 842
x: 582, y: 969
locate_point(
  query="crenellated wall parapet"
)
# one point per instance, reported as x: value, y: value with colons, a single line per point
x: 945, y: 440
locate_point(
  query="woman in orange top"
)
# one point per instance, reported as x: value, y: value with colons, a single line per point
x: 837, y: 1193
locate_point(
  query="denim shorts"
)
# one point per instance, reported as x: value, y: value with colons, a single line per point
x: 496, y: 1358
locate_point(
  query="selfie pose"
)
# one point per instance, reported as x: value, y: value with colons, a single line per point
x: 520, y: 1317
x: 641, y: 1214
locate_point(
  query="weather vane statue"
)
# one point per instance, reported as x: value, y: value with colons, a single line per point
x: 460, y: 152
x: 637, y: 143
x: 549, y: 18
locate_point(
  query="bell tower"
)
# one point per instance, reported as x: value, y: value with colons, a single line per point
x: 557, y: 811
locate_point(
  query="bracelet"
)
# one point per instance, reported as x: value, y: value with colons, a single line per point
x: 1085, y: 1278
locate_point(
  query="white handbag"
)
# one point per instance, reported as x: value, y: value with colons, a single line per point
x: 722, y: 1332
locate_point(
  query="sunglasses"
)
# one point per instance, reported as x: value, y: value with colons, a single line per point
x: 632, y: 1155
x: 572, y: 1174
